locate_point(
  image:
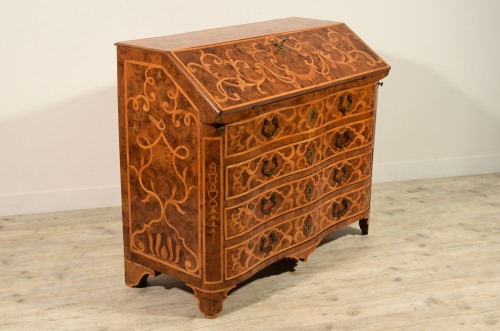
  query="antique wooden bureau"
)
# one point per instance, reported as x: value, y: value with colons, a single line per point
x: 241, y: 146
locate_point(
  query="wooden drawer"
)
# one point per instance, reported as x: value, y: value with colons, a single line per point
x: 278, y: 238
x: 245, y: 177
x: 262, y: 131
x: 293, y: 195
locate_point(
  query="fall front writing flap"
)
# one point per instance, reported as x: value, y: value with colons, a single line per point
x: 253, y: 71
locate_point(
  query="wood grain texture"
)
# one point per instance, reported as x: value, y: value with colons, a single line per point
x: 136, y: 274
x: 247, y: 72
x: 210, y: 303
x: 248, y: 176
x: 281, y: 199
x: 296, y: 121
x: 228, y: 117
x: 234, y: 71
x: 290, y: 233
x: 224, y: 34
x: 213, y: 203
x: 430, y: 262
x: 162, y: 168
x: 212, y: 210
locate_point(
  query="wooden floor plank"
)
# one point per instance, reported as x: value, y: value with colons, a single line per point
x: 430, y: 262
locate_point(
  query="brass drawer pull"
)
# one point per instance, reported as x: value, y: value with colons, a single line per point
x: 346, y: 137
x: 336, y: 211
x: 269, y: 173
x: 337, y: 172
x: 310, y: 154
x: 275, y: 123
x: 342, y: 108
x: 263, y: 204
x: 263, y: 241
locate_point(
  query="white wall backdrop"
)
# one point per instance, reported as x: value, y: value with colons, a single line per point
x: 438, y: 110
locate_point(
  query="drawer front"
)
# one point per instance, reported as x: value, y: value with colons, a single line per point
x: 249, y: 253
x: 293, y: 195
x: 249, y: 175
x: 264, y: 130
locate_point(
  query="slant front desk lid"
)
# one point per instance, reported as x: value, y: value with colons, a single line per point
x: 248, y: 65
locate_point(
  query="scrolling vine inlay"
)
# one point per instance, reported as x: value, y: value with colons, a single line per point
x: 247, y: 254
x: 292, y: 195
x: 241, y: 146
x: 253, y: 70
x: 213, y: 192
x: 164, y: 182
x: 245, y: 177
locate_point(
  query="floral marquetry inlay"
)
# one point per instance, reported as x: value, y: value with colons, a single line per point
x: 213, y: 196
x: 252, y: 70
x: 285, y: 235
x: 290, y: 196
x: 240, y: 146
x: 309, y: 117
x: 162, y: 171
x: 247, y: 176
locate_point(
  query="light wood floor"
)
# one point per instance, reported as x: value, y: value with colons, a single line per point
x: 430, y: 262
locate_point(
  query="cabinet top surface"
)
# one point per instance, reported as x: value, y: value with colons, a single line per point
x: 224, y: 34
x: 246, y: 65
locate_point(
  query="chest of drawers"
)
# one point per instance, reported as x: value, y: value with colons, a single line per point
x: 241, y: 146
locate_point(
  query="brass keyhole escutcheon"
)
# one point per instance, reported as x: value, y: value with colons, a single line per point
x: 310, y: 154
x: 309, y: 190
x: 314, y: 115
x: 308, y: 226
x: 280, y: 47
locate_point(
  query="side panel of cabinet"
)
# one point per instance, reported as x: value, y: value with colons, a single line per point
x: 160, y: 156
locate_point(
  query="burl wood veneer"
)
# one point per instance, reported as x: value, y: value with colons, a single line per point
x: 241, y: 146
